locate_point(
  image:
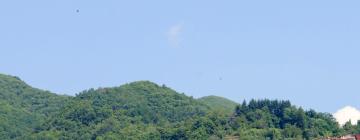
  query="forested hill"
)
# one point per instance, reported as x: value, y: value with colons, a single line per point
x: 22, y: 107
x: 145, y: 110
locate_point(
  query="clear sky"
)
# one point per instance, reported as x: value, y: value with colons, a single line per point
x: 306, y: 51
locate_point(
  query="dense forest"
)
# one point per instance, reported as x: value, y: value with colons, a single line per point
x: 144, y: 110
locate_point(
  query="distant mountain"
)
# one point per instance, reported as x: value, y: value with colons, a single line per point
x: 348, y: 113
x: 219, y: 103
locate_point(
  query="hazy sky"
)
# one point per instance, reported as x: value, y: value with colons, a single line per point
x: 306, y: 51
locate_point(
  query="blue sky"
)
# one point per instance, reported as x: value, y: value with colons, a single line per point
x: 305, y: 51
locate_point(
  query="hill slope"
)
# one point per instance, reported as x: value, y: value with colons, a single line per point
x: 219, y: 103
x: 18, y: 94
x: 145, y: 110
x: 22, y: 108
x: 143, y: 105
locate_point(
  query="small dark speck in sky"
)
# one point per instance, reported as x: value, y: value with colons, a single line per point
x: 77, y: 11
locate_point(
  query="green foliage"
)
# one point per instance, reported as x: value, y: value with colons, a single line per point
x: 144, y: 110
x: 260, y: 134
x: 23, y: 108
x: 139, y: 110
x: 348, y: 128
x: 253, y: 119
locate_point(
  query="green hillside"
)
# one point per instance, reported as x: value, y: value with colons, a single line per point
x: 143, y: 110
x: 219, y: 103
x: 22, y: 108
x: 138, y: 110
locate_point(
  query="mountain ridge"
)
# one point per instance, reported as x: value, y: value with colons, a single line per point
x: 146, y: 110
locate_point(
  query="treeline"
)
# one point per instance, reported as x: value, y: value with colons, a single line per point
x: 272, y: 119
x: 348, y: 128
x: 144, y: 110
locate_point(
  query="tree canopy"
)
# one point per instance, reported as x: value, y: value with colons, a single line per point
x: 145, y: 110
